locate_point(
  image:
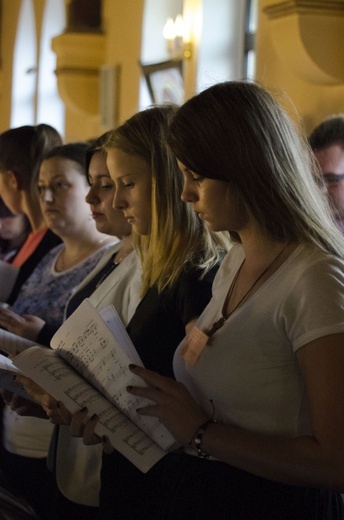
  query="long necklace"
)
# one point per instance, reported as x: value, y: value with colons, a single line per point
x: 218, y: 324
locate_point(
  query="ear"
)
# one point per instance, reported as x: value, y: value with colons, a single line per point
x: 13, y: 180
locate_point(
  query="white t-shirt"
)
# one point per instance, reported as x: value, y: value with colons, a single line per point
x: 248, y: 371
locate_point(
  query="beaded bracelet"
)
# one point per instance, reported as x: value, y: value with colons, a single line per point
x: 198, y: 436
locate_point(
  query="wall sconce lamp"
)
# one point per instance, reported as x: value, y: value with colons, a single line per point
x: 178, y: 38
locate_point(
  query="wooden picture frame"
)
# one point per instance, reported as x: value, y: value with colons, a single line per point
x: 164, y: 81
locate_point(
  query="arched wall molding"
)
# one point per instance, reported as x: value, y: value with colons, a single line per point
x: 306, y: 35
x: 79, y: 58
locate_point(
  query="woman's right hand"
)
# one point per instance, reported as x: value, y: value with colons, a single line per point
x: 85, y: 428
x: 26, y: 326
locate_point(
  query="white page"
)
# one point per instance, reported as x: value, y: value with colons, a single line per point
x: 86, y: 343
x: 60, y: 380
x: 115, y: 324
x: 13, y: 344
x: 7, y: 365
x: 8, y: 371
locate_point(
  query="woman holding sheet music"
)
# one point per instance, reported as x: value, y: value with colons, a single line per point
x: 260, y: 398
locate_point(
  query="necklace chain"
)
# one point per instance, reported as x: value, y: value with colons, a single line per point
x: 218, y: 324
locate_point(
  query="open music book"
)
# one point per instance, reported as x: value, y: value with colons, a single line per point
x: 87, y: 366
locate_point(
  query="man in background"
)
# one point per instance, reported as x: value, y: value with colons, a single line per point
x: 327, y: 143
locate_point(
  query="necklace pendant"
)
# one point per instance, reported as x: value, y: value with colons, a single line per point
x: 216, y: 326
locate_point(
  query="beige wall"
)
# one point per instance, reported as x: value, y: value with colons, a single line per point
x: 9, y: 16
x: 123, y: 27
x: 78, y: 59
x: 300, y: 53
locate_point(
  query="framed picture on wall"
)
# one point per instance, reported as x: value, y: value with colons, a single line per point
x: 165, y: 81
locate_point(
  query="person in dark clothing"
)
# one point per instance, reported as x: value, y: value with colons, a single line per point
x: 21, y: 153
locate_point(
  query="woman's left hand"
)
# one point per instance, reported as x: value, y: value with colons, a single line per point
x: 172, y: 404
x: 26, y: 326
x: 55, y: 411
x: 22, y: 406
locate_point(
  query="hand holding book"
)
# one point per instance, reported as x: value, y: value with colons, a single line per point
x: 87, y: 366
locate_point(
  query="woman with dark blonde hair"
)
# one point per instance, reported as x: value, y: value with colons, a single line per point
x: 173, y: 234
x: 179, y: 255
